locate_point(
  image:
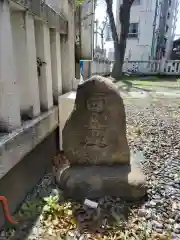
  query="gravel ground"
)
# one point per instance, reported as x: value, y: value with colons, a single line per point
x: 153, y: 128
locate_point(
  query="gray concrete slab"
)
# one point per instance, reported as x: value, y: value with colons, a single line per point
x: 14, y: 146
x: 25, y: 175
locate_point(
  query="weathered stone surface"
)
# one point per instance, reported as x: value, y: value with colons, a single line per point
x: 125, y: 181
x: 95, y: 133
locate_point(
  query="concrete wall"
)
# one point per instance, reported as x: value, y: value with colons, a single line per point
x: 96, y: 67
x: 55, y: 4
x: 56, y: 64
x: 42, y: 36
x: 9, y: 92
x: 20, y: 54
x: 28, y: 97
x: 68, y: 50
x: 25, y: 61
x: 23, y: 177
x: 87, y: 30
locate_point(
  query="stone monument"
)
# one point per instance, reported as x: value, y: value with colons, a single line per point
x: 94, y: 141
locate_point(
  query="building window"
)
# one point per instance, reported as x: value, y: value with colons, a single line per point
x: 136, y: 2
x: 168, y: 16
x: 133, y: 30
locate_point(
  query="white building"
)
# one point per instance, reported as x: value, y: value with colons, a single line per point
x: 152, y: 29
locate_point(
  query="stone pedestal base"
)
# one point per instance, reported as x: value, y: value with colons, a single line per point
x: 79, y: 182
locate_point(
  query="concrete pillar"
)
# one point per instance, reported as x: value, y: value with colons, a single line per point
x: 26, y: 66
x: 9, y: 97
x: 56, y: 64
x: 68, y: 50
x: 33, y: 84
x: 21, y: 61
x: 43, y: 52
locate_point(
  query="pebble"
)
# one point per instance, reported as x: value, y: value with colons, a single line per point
x: 159, y: 230
x: 142, y: 212
x: 152, y: 203
x: 171, y: 221
x: 177, y: 226
x: 157, y: 224
x: 70, y: 236
x: 159, y: 142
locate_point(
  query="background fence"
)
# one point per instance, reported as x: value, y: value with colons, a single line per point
x: 98, y: 66
x: 166, y: 67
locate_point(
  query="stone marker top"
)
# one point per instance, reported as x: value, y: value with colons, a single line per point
x: 100, y: 79
x: 95, y: 133
x: 99, y: 85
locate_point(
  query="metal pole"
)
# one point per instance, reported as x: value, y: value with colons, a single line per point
x: 95, y: 33
x: 154, y: 29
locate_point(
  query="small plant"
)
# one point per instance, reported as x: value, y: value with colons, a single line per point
x: 51, y: 207
x: 57, y: 217
x: 79, y: 2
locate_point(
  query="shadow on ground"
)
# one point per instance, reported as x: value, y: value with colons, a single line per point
x: 146, y: 86
x: 157, y: 86
x: 27, y: 215
x: 129, y: 86
x: 112, y: 215
x: 159, y: 78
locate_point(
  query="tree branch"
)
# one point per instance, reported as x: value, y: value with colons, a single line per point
x: 112, y: 21
x: 104, y: 23
x: 131, y: 2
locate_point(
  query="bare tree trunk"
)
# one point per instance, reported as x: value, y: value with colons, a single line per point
x: 119, y: 44
x: 120, y: 47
